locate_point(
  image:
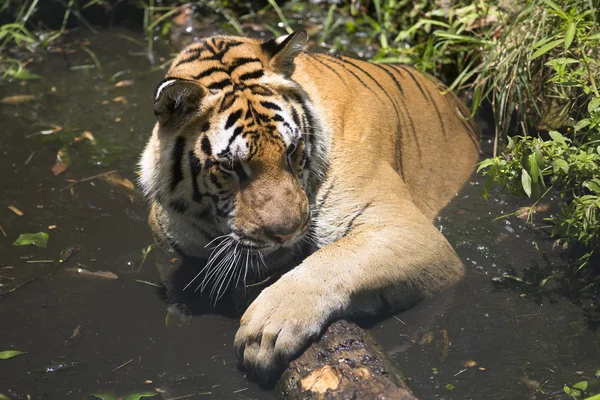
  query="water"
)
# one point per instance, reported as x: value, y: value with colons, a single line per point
x: 85, y: 335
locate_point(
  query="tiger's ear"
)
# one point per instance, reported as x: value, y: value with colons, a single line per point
x: 175, y: 100
x: 283, y: 50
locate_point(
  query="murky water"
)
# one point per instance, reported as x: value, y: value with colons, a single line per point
x: 95, y: 335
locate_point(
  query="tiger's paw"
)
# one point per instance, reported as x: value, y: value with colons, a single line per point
x: 282, y: 320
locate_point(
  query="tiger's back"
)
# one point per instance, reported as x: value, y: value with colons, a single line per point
x: 403, y: 120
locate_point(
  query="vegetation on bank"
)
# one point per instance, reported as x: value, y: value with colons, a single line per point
x: 535, y: 62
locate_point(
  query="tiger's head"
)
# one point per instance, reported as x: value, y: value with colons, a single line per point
x: 236, y: 151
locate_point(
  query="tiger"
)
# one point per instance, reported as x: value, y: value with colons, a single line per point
x: 264, y: 153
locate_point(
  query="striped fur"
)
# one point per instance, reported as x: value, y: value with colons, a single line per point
x: 261, y: 149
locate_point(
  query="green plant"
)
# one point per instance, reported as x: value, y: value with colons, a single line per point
x: 567, y: 99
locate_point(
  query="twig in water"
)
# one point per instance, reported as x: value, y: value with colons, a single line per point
x: 89, y: 178
x: 122, y: 365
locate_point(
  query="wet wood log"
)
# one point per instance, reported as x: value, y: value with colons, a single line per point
x: 344, y: 363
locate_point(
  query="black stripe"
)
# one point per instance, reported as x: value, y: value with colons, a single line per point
x: 408, y: 71
x: 252, y: 75
x: 215, y: 181
x: 238, y: 62
x: 208, y: 72
x: 194, y: 54
x: 358, y: 214
x: 378, y: 85
x: 177, y: 170
x: 343, y: 64
x: 270, y: 105
x: 195, y: 169
x: 260, y: 90
x: 232, y: 119
x: 178, y: 205
x: 437, y: 111
x: 383, y: 67
x: 205, y: 146
x: 328, y: 67
x: 227, y: 102
x: 236, y: 132
x: 410, y: 120
x: 295, y: 116
x: 220, y: 84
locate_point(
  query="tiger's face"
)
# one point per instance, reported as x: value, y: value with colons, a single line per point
x: 231, y: 154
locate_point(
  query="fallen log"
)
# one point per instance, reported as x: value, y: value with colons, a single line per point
x: 345, y: 362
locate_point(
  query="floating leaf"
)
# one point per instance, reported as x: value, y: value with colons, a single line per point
x: 23, y: 74
x: 105, y: 396
x: 124, y: 83
x: 39, y: 239
x: 526, y: 182
x: 5, y: 355
x: 16, y: 210
x: 4, y: 397
x: 139, y: 396
x: 567, y: 389
x: 450, y: 386
x: 17, y: 99
x: 569, y: 34
x: 63, y: 160
x: 581, y: 385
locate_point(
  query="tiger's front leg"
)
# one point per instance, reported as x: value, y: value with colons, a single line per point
x: 394, y: 257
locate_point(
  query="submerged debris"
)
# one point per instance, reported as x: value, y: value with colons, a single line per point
x: 91, y: 274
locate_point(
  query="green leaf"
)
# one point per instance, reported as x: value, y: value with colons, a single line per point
x: 139, y: 396
x: 598, y: 373
x: 559, y: 164
x: 526, y: 182
x: 450, y: 386
x: 567, y: 389
x: 569, y: 34
x: 4, y: 397
x: 533, y: 167
x: 582, y: 124
x: 105, y: 396
x: 557, y: 136
x: 5, y: 355
x: 593, y: 104
x: 39, y: 239
x: 581, y: 385
x: 23, y: 74
x: 559, y: 11
x: 487, y: 186
x: 594, y: 187
x: 546, y: 48
x: 485, y: 164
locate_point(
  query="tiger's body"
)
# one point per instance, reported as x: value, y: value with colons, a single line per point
x: 263, y: 147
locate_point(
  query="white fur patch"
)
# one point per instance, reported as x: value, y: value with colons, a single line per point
x: 163, y: 86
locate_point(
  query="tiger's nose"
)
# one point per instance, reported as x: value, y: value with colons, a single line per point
x: 283, y: 238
